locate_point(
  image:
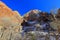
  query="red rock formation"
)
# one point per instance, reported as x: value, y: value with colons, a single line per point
x: 6, y: 12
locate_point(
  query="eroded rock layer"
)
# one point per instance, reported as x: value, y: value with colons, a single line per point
x: 10, y: 23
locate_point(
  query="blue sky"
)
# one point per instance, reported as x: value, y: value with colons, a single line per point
x: 23, y: 6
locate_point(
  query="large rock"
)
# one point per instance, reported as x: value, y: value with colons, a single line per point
x: 10, y: 23
x: 58, y: 14
x: 32, y: 14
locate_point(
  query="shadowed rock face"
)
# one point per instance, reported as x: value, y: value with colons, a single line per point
x: 37, y: 14
x: 42, y: 16
x: 58, y: 14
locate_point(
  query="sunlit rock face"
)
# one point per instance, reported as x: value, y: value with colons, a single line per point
x: 10, y: 23
x: 7, y: 14
x: 32, y: 14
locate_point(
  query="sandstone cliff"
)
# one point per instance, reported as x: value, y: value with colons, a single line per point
x: 10, y: 23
